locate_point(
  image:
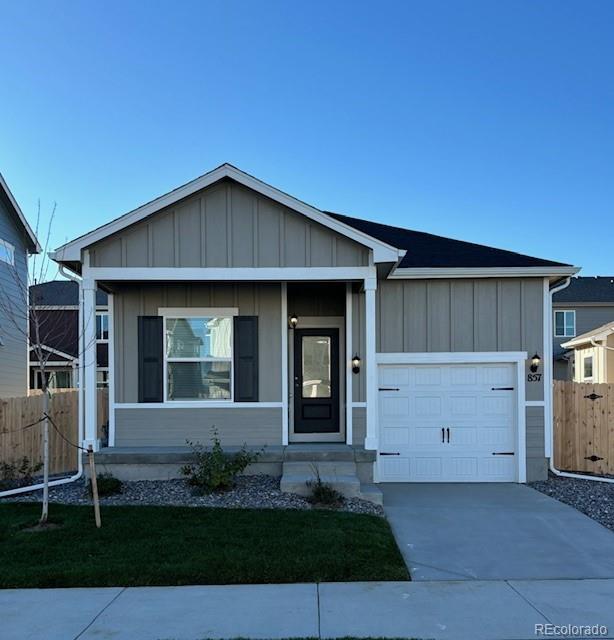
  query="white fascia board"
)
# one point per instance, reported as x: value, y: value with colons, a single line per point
x: 20, y: 215
x: 576, y: 342
x: 441, y: 357
x: 56, y: 352
x: 229, y: 274
x: 406, y: 273
x: 71, y: 251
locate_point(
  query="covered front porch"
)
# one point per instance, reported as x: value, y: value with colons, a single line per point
x: 271, y: 363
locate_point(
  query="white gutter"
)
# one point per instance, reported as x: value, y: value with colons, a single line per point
x: 553, y: 469
x: 80, y: 432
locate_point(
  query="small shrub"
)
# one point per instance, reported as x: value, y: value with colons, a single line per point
x: 107, y: 483
x: 214, y: 469
x: 18, y: 473
x: 323, y: 493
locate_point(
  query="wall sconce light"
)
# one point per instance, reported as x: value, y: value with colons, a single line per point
x: 355, y: 364
x: 535, y: 360
x: 293, y: 321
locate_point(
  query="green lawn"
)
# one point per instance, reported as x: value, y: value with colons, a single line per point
x: 177, y: 545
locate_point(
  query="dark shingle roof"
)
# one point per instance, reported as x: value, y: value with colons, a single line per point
x: 587, y: 289
x: 428, y: 250
x: 61, y: 293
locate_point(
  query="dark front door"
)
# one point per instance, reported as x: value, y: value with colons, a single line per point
x: 316, y: 381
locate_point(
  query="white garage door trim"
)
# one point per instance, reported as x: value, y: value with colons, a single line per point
x: 517, y: 358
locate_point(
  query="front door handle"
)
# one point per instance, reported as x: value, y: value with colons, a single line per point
x: 448, y: 432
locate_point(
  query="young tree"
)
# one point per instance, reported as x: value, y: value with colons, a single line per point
x: 31, y: 321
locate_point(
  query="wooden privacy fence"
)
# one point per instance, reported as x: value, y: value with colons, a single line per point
x: 17, y: 439
x: 584, y: 427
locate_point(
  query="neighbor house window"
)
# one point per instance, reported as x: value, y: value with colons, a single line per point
x: 102, y: 327
x: 564, y: 324
x: 198, y: 357
x: 588, y: 367
x: 102, y: 378
x: 7, y: 252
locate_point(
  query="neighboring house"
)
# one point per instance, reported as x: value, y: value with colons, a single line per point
x: 17, y: 242
x: 593, y: 355
x: 55, y: 308
x: 587, y: 303
x: 235, y: 305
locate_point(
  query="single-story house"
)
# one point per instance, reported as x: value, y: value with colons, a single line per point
x: 232, y: 304
x: 593, y: 355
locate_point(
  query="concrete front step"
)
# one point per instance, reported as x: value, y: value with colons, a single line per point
x: 328, y: 468
x: 319, y: 453
x: 347, y: 486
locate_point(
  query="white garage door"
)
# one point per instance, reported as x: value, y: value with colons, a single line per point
x: 447, y: 423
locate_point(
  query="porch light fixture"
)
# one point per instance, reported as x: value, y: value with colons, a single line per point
x: 355, y: 364
x: 535, y: 360
x: 293, y: 321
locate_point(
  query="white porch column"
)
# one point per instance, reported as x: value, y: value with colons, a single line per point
x: 371, y: 440
x: 284, y: 364
x: 349, y: 382
x: 88, y: 329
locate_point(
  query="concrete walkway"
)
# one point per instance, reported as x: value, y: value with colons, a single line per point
x: 494, y: 532
x: 471, y: 610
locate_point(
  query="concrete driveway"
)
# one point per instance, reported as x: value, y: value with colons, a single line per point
x: 494, y: 532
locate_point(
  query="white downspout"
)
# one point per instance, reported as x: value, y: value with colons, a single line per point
x: 553, y: 469
x: 80, y: 431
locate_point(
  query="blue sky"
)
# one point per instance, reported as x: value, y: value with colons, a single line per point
x: 487, y: 121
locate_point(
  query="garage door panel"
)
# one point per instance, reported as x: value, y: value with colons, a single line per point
x: 427, y: 399
x: 392, y: 435
x: 395, y: 469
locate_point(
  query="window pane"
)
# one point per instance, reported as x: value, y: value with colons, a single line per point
x: 316, y: 367
x: 198, y: 337
x: 102, y: 379
x: 61, y: 380
x: 559, y: 323
x: 102, y: 327
x: 198, y: 380
x: 588, y: 367
x: 570, y: 329
x: 7, y: 252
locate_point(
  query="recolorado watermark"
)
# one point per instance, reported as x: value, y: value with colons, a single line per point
x: 549, y: 630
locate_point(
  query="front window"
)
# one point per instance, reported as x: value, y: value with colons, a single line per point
x: 102, y: 378
x: 198, y: 354
x: 564, y: 324
x: 7, y: 252
x: 588, y: 367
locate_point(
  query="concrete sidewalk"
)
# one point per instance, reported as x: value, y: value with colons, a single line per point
x: 471, y: 610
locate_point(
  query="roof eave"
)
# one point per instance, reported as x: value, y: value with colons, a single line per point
x: 482, y: 272
x: 34, y: 244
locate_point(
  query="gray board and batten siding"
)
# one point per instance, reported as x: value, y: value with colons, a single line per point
x: 227, y: 225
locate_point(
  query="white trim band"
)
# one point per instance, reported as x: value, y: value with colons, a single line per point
x: 460, y: 357
x: 480, y: 272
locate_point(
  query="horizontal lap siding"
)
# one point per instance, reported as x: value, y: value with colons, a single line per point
x: 228, y: 225
x: 262, y: 300
x: 173, y: 427
x: 13, y: 311
x: 537, y: 467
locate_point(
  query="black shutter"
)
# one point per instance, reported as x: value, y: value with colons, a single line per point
x: 151, y: 365
x: 246, y: 358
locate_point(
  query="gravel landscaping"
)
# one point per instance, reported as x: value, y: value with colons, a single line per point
x: 595, y: 499
x: 250, y: 492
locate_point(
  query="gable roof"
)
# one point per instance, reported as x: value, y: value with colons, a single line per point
x: 61, y: 293
x: 587, y: 289
x: 425, y: 250
x: 71, y: 251
x: 23, y: 223
x: 599, y: 333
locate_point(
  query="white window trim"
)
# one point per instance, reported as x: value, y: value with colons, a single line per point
x: 564, y: 335
x: 197, y: 312
x: 10, y: 248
